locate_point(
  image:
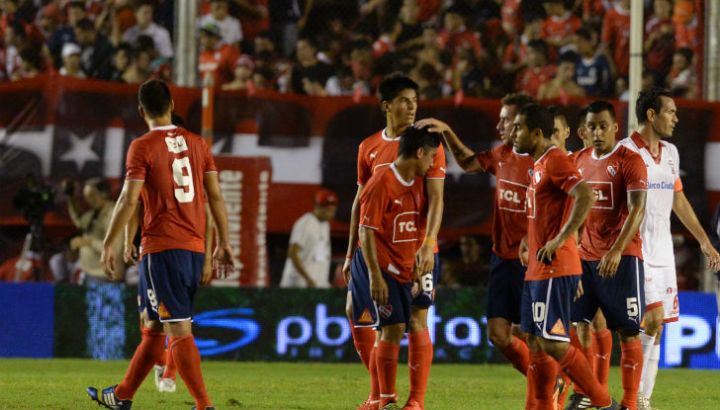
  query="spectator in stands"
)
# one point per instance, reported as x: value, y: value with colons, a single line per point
x: 66, y: 34
x: 138, y: 70
x: 560, y: 25
x: 244, y: 72
x: 681, y: 80
x: 31, y: 64
x: 538, y: 70
x: 254, y: 18
x: 511, y: 17
x: 563, y: 86
x: 343, y: 83
x: 47, y: 20
x: 216, y: 58
x: 455, y: 34
x: 593, y: 11
x: 659, y: 38
x: 308, y: 261
x: 471, y: 268
x: 15, y: 40
x: 93, y: 224
x: 121, y: 60
x: 687, y: 27
x: 309, y: 75
x: 287, y: 18
x: 515, y: 54
x: 64, y: 264
x: 72, y: 63
x: 146, y: 26
x: 593, y: 69
x: 469, y: 76
x: 230, y: 30
x: 411, y: 32
x: 97, y: 51
x: 622, y: 90
x: 561, y: 128
x: 616, y: 36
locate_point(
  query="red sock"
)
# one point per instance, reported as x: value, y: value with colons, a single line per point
x: 603, y: 345
x: 543, y: 379
x: 631, y: 365
x: 364, y: 340
x: 187, y: 359
x: 518, y: 354
x: 374, y: 382
x: 576, y: 366
x: 163, y: 359
x: 387, y: 361
x: 420, y: 355
x: 169, y: 365
x: 530, y: 400
x: 148, y: 353
x: 589, y: 353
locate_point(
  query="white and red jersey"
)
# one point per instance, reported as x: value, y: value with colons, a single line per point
x: 663, y: 173
x: 512, y: 173
x: 548, y: 208
x: 172, y: 161
x: 611, y: 177
x: 396, y: 210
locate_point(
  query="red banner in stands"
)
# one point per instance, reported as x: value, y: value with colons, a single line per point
x: 245, y: 183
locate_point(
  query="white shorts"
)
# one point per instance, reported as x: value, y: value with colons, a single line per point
x: 661, y: 290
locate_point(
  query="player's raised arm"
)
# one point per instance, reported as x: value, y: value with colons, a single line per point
x: 684, y: 212
x: 378, y: 287
x: 636, y: 212
x: 123, y: 212
x: 223, y: 252
x: 464, y: 156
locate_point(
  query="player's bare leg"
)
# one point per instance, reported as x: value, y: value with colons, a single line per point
x: 187, y: 360
x: 365, y: 341
x: 650, y: 340
x: 386, y: 356
x: 420, y: 355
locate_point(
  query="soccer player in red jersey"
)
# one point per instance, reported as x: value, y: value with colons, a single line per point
x: 393, y: 212
x: 610, y: 246
x: 168, y: 167
x: 558, y: 200
x: 398, y: 99
x: 512, y: 171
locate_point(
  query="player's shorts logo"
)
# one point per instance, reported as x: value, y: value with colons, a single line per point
x: 405, y: 227
x: 604, y: 198
x: 385, y: 311
x: 511, y: 196
x: 365, y: 317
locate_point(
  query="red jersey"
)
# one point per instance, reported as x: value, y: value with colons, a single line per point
x: 530, y: 79
x: 558, y: 28
x: 380, y: 150
x: 548, y: 208
x: 611, y: 177
x: 616, y: 34
x: 512, y: 172
x: 221, y: 63
x: 172, y: 161
x: 395, y: 209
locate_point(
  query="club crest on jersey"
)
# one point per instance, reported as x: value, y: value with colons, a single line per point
x: 611, y: 170
x: 385, y: 311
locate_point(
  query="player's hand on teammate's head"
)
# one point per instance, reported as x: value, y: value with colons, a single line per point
x: 433, y: 125
x: 223, y: 260
x: 107, y: 258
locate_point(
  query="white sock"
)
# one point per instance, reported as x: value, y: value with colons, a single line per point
x: 652, y: 370
x: 648, y: 345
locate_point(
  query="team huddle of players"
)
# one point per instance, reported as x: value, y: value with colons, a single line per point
x: 581, y: 246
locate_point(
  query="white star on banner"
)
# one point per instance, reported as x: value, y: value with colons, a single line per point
x: 80, y: 151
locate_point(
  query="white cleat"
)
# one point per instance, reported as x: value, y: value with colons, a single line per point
x: 159, y: 370
x: 167, y: 385
x: 644, y: 403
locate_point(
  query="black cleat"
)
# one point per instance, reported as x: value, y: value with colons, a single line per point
x: 108, y: 399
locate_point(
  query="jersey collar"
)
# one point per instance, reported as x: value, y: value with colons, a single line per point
x: 164, y: 128
x: 552, y: 147
x: 640, y: 143
x: 386, y: 137
x: 592, y: 153
x: 399, y: 177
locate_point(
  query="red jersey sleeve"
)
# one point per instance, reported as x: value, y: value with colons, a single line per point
x: 635, y: 173
x: 563, y: 173
x: 487, y: 160
x: 437, y: 170
x: 364, y: 172
x: 137, y: 162
x: 373, y: 201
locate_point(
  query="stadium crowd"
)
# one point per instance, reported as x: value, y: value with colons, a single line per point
x: 551, y: 49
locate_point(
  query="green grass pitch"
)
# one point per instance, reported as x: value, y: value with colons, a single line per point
x: 60, y: 384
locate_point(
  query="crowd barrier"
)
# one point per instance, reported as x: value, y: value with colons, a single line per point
x: 271, y: 324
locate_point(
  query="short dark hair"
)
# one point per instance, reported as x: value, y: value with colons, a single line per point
x: 558, y: 112
x: 76, y: 5
x: 414, y: 138
x: 582, y: 116
x: 568, y: 57
x: 539, y: 45
x: 154, y: 97
x: 585, y: 33
x: 650, y: 99
x: 518, y: 99
x: 85, y: 24
x: 394, y: 84
x: 141, y: 3
x: 598, y: 106
x: 537, y: 116
x: 685, y: 52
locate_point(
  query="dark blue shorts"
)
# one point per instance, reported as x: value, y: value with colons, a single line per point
x: 368, y: 314
x: 168, y: 281
x: 621, y: 298
x: 546, y: 306
x: 426, y: 297
x: 505, y: 288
